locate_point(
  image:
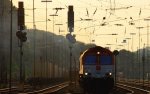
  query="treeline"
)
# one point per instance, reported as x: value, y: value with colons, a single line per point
x: 41, y: 47
x: 134, y: 65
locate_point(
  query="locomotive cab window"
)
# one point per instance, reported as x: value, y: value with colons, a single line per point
x: 90, y: 60
x: 105, y: 60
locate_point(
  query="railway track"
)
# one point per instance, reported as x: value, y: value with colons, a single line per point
x: 121, y: 89
x: 7, y: 90
x: 52, y: 89
x: 13, y: 90
x: 49, y: 90
x: 132, y: 89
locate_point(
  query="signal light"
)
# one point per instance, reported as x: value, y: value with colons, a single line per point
x: 21, y: 23
x: 70, y: 19
x: 22, y: 36
x: 115, y: 52
x: 21, y: 19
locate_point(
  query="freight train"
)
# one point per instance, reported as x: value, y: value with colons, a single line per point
x: 96, y: 73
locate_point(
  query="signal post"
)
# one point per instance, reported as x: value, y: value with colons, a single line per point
x: 70, y: 37
x: 22, y: 38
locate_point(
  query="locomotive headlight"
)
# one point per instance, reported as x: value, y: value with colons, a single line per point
x: 86, y: 73
x: 98, y: 52
x: 110, y: 73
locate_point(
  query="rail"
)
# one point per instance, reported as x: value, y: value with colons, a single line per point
x: 51, y: 89
x: 134, y: 90
x: 6, y: 90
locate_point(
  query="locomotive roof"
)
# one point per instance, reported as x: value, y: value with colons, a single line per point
x: 97, y: 49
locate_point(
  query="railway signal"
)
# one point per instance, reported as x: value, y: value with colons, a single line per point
x: 115, y: 52
x: 21, y: 19
x: 71, y: 38
x: 70, y: 19
x: 21, y: 35
x: 21, y: 23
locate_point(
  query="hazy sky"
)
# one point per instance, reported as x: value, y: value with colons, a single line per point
x: 112, y: 13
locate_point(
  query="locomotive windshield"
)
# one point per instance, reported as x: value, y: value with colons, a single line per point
x: 90, y: 59
x: 105, y: 60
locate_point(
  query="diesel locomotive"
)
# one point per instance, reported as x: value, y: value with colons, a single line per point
x: 96, y: 73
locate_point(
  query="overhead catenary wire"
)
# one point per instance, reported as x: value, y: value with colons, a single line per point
x: 90, y: 4
x: 116, y: 5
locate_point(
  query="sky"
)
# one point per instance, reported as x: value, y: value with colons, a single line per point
x: 121, y: 17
